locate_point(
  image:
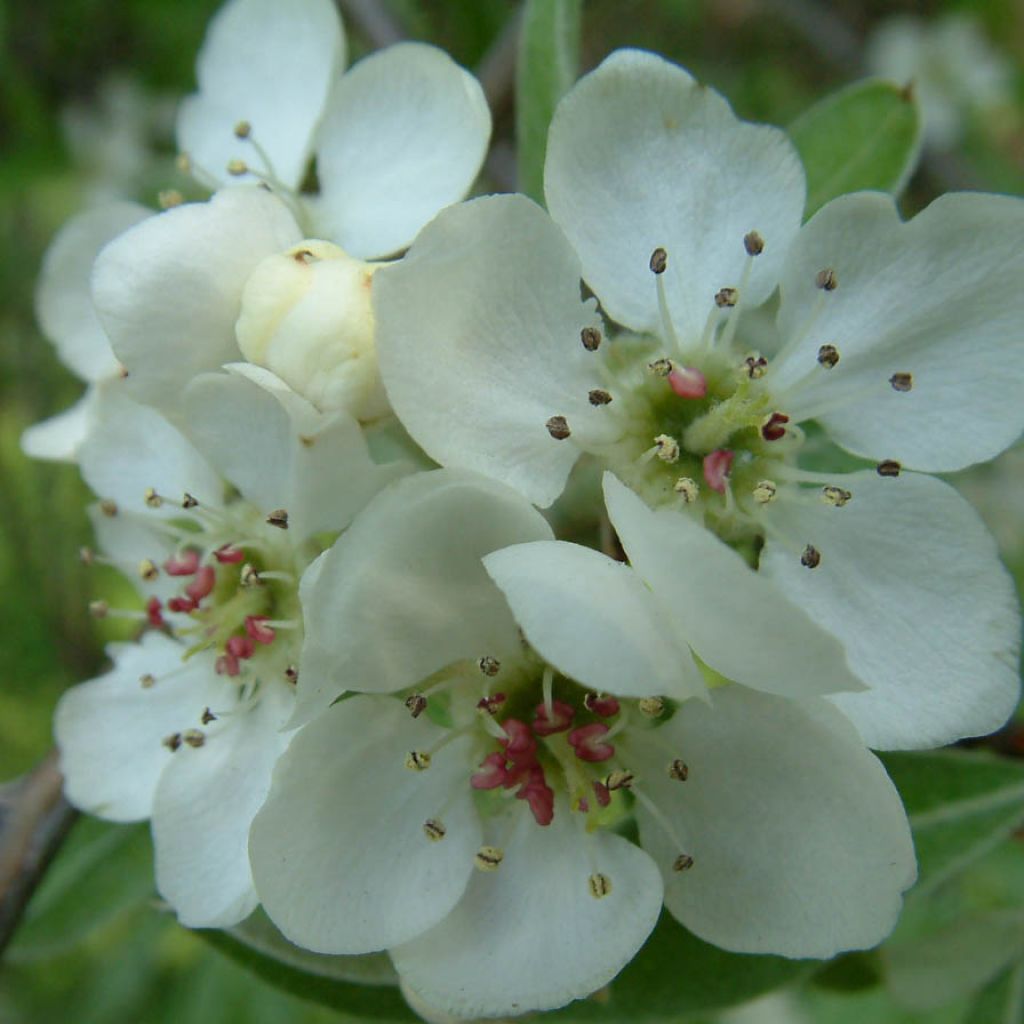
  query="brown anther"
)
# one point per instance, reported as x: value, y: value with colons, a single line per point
x: 207, y: 716
x: 489, y: 858
x: 726, y: 298
x: 682, y: 863
x: 108, y: 507
x: 837, y: 497
x: 172, y: 742
x: 417, y: 760
x: 147, y: 680
x: 652, y: 707
x: 151, y: 498
x: 828, y: 356
x: 591, y: 338
x: 659, y: 261
x: 756, y: 366
x: 194, y: 737
x: 811, y: 558
x: 168, y: 198
x: 765, y: 491
x: 148, y: 570
x: 305, y: 256
x: 291, y: 674
x: 188, y: 501
x: 902, y: 382
x: 660, y: 367
x: 826, y: 280
x: 306, y: 440
x: 679, y: 770
x: 416, y: 704
x: 98, y: 609
x: 278, y: 518
x: 619, y: 779
x: 687, y: 488
x: 774, y: 426
x: 434, y: 829
x: 753, y: 243
x: 598, y: 396
x: 558, y: 428
x: 600, y: 885
x: 243, y: 130
x: 87, y: 556
x: 488, y: 665
x: 236, y: 168
x: 888, y: 467
x: 249, y: 577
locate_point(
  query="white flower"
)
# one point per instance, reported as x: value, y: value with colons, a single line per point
x: 891, y: 340
x: 463, y: 812
x: 66, y: 315
x: 187, y: 724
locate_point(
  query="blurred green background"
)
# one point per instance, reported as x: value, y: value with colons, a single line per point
x: 86, y: 111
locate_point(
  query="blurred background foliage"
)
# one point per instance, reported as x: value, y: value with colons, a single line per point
x: 87, y: 91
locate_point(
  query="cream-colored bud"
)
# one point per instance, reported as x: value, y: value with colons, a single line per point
x: 307, y: 316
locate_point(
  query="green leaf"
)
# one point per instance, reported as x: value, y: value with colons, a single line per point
x: 960, y: 804
x: 549, y: 49
x: 866, y: 136
x: 1002, y: 1002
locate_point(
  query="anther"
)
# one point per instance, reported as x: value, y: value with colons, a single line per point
x: 811, y: 558
x: 188, y: 501
x: 600, y: 885
x: 249, y: 577
x: 168, y: 198
x: 756, y: 366
x: 717, y: 465
x: 661, y: 367
x: 598, y: 396
x: 108, y: 507
x: 652, y: 707
x: 194, y: 737
x: 902, y: 382
x: 417, y: 760
x: 147, y: 680
x: 688, y: 382
x: 601, y: 704
x: 489, y: 858
x: 679, y: 770
x: 291, y: 674
x: 726, y: 298
x: 888, y: 467
x: 619, y: 779
x: 207, y: 716
x: 434, y: 829
x: 489, y: 705
x: 837, y: 497
x: 687, y: 488
x: 99, y: 609
x: 172, y: 742
x: 682, y: 863
x: 278, y: 518
x: 416, y: 704
x: 148, y: 570
x: 765, y: 491
x: 243, y: 130
x: 591, y: 338
x: 236, y: 168
x: 151, y: 498
x: 558, y: 428
x: 659, y: 261
x: 668, y: 448
x: 753, y: 243
x: 489, y: 666
x: 828, y: 356
x: 773, y: 428
x: 826, y: 280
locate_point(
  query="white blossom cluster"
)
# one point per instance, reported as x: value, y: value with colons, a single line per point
x: 376, y: 689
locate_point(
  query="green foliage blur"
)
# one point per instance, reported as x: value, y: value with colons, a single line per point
x: 96, y: 946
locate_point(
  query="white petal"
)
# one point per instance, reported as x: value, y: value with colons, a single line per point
x: 531, y: 936
x: 63, y: 298
x: 800, y: 844
x: 110, y: 730
x: 132, y: 448
x: 169, y: 291
x: 640, y: 156
x: 594, y: 619
x: 405, y: 133
x: 272, y: 65
x: 478, y: 336
x: 735, y: 620
x: 910, y: 582
x: 282, y: 452
x: 403, y: 592
x: 938, y: 297
x: 204, y: 805
x: 340, y: 857
x: 60, y: 437
x: 129, y: 540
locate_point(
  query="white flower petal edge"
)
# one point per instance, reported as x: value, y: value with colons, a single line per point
x: 483, y: 316
x: 110, y: 729
x: 799, y: 841
x: 168, y: 291
x: 911, y: 584
x: 60, y: 437
x: 741, y: 624
x: 937, y: 297
x: 405, y: 133
x: 640, y: 156
x: 338, y: 852
x: 271, y: 65
x: 407, y: 583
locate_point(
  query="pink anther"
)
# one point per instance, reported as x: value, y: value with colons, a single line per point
x: 229, y: 554
x: 687, y: 382
x: 589, y: 744
x: 240, y: 647
x: 520, y: 745
x: 559, y: 720
x: 227, y: 665
x: 491, y: 774
x: 717, y: 466
x: 256, y: 628
x: 184, y: 564
x: 203, y: 584
x: 601, y: 704
x: 154, y: 612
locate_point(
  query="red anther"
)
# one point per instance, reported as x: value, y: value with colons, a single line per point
x: 182, y: 604
x: 541, y: 798
x: 227, y: 665
x: 520, y: 745
x: 491, y: 774
x: 687, y: 382
x: 583, y: 804
x: 561, y: 718
x: 601, y: 704
x: 254, y: 626
x: 492, y: 703
x: 154, y: 613
x: 204, y: 582
x: 228, y: 553
x: 716, y: 469
x: 774, y: 427
x: 588, y: 743
x: 240, y: 647
x: 603, y: 794
x: 184, y: 564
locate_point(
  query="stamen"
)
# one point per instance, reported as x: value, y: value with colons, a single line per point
x: 151, y: 498
x: 688, y: 489
x: 826, y: 280
x: 588, y: 743
x: 488, y: 858
x: 598, y: 396
x: 756, y: 366
x: 717, y: 466
x: 108, y: 507
x: 811, y: 558
x: 243, y: 130
x: 172, y: 742
x: 658, y: 263
x: 188, y: 501
x: 591, y: 338
x: 547, y: 682
x: 417, y: 760
x: 554, y: 719
x: 828, y: 356
x: 278, y: 518
x: 753, y: 243
x: 765, y: 492
x: 837, y: 497
x: 489, y: 705
x: 600, y: 885
x: 147, y: 680
x: 229, y: 554
x: 902, y: 382
x: 651, y: 707
x: 148, y: 570
x: 682, y: 863
x: 667, y: 449
x: 601, y: 704
x: 236, y: 168
x: 491, y: 774
x: 434, y: 830
x: 888, y: 467
x: 664, y: 824
x: 678, y: 770
x: 260, y: 628
x: 558, y: 428
x: 489, y: 666
x: 773, y: 428
x: 726, y: 298
x: 660, y: 367
x: 194, y: 737
x: 621, y: 778
x: 416, y: 704
x: 183, y: 564
x: 207, y: 716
